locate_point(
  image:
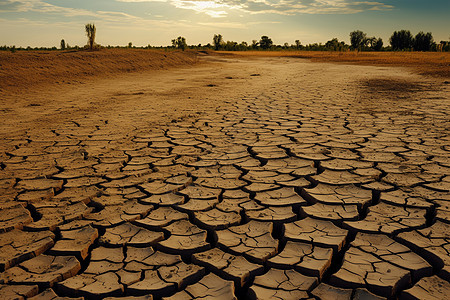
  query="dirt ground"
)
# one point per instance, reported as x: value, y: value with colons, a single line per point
x: 436, y: 64
x: 234, y: 178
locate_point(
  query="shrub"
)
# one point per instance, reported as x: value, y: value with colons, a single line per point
x: 179, y: 42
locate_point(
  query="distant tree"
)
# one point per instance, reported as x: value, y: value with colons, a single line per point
x: 63, y: 44
x: 358, y: 39
x: 401, y: 40
x: 231, y: 46
x: 217, y: 41
x: 265, y: 42
x: 255, y: 44
x: 333, y: 44
x: 179, y: 42
x: 130, y: 44
x: 298, y: 44
x: 286, y: 45
x: 377, y: 45
x: 243, y: 46
x: 370, y: 41
x: 90, y: 32
x: 423, y: 41
x: 443, y: 46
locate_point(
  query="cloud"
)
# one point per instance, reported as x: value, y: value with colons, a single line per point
x: 39, y: 6
x: 42, y: 7
x: 220, y: 8
x: 234, y: 25
x: 295, y: 7
x: 112, y: 18
x: 137, y: 1
x: 212, y: 8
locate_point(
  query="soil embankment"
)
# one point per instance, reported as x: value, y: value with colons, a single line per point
x: 21, y: 70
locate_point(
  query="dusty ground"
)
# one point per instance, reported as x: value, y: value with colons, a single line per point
x: 268, y: 178
x: 436, y: 64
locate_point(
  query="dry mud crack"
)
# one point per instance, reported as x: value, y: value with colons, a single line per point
x: 308, y: 181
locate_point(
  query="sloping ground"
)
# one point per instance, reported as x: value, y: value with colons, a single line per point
x: 251, y: 179
x: 23, y: 69
x: 436, y: 64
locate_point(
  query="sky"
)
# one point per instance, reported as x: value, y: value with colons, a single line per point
x: 44, y: 23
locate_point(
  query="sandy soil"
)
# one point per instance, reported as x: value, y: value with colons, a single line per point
x: 122, y: 80
x: 436, y: 64
x: 331, y: 178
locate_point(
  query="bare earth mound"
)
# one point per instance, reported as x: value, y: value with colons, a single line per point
x: 23, y: 69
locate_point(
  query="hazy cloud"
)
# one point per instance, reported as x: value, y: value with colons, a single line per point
x: 220, y: 8
x: 112, y: 18
x: 234, y: 25
x: 212, y: 8
x: 39, y: 6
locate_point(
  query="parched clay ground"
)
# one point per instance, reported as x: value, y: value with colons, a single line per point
x: 269, y: 178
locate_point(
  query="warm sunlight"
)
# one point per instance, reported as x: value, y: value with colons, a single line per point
x: 142, y: 22
x: 211, y: 8
x: 224, y: 149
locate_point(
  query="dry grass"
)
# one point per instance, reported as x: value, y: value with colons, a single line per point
x: 24, y: 69
x: 426, y: 63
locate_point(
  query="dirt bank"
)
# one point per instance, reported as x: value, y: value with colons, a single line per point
x: 22, y: 70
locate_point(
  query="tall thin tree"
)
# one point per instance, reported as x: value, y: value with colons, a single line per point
x: 218, y: 41
x: 90, y: 32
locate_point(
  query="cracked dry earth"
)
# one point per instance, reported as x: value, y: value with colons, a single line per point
x: 277, y: 179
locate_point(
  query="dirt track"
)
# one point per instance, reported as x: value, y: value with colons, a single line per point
x: 269, y: 178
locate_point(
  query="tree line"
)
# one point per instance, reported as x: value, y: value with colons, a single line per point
x: 401, y: 40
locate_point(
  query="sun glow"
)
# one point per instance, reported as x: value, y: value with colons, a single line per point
x: 212, y: 8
